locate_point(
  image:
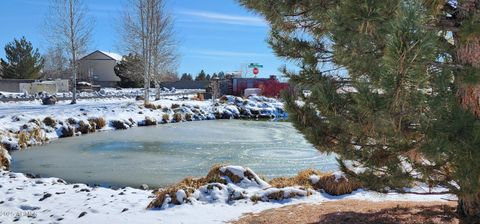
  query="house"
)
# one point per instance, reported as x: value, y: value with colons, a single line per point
x: 98, y: 68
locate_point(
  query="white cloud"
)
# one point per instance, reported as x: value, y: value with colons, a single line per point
x: 226, y: 19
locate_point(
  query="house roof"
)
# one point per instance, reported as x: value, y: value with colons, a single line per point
x: 113, y: 56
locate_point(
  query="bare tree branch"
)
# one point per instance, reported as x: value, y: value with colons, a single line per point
x: 68, y: 25
x: 148, y: 31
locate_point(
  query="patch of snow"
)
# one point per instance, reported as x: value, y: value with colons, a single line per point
x: 338, y: 175
x: 181, y: 195
x: 314, y: 179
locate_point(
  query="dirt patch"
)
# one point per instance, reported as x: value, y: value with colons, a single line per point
x: 359, y: 212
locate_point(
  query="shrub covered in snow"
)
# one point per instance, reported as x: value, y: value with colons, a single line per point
x: 66, y: 131
x: 177, y: 117
x: 85, y: 127
x: 335, y: 184
x: 253, y: 106
x: 49, y: 100
x: 72, y: 121
x: 165, y: 118
x: 278, y: 194
x: 50, y: 122
x: 9, y: 143
x: 189, y: 117
x: 119, y: 124
x: 149, y: 121
x: 331, y: 183
x: 230, y: 183
x: 222, y: 184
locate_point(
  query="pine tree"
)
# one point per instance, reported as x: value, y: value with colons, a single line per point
x: 23, y: 61
x: 201, y: 76
x: 208, y: 77
x: 130, y: 72
x: 186, y: 77
x: 221, y: 75
x: 410, y: 111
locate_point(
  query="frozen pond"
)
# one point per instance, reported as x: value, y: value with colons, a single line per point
x: 165, y: 154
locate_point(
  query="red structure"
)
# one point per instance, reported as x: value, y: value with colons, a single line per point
x: 270, y: 87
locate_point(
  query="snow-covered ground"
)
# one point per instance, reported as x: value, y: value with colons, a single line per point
x: 104, y: 92
x: 51, y: 200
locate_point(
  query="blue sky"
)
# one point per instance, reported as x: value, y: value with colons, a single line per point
x: 213, y: 35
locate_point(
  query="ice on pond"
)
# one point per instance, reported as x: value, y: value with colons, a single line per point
x: 165, y: 154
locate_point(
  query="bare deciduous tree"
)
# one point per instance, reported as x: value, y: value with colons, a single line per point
x: 69, y: 25
x: 56, y: 64
x: 148, y: 31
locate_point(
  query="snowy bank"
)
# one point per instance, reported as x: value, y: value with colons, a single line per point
x: 50, y: 200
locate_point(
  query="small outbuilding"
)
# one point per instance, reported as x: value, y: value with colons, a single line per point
x: 98, y: 68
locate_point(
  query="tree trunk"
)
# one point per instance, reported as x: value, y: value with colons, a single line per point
x: 158, y: 90
x: 468, y: 53
x: 73, y: 51
x: 469, y: 209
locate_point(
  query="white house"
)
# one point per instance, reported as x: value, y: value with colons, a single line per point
x: 98, y: 68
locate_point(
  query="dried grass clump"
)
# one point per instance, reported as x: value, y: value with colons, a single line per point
x: 280, y: 194
x: 165, y: 118
x: 149, y: 121
x: 200, y: 97
x: 175, y: 106
x: 281, y: 182
x: 152, y: 106
x: 302, y: 179
x: 327, y: 182
x: 223, y: 99
x: 189, y: 117
x: 50, y: 122
x: 333, y: 186
x: 25, y: 137
x: 72, y: 121
x: 97, y: 122
x: 38, y: 135
x: 177, y: 117
x: 215, y: 175
x: 188, y: 185
x: 4, y: 161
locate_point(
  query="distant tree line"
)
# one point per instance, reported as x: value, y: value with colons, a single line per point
x: 202, y: 76
x: 130, y: 72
